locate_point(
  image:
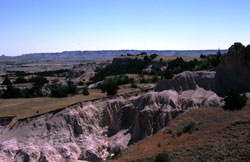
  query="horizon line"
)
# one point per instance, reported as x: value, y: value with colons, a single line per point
x: 113, y: 50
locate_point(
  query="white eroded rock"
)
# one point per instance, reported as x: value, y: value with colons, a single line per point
x: 87, y: 131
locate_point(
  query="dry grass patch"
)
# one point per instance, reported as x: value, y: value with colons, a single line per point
x: 28, y: 107
x: 221, y: 135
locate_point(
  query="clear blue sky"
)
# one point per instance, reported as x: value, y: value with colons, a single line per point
x: 28, y: 26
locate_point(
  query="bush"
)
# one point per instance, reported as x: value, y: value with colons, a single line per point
x: 153, y: 56
x: 187, y: 127
x: 71, y: 87
x: 168, y: 75
x: 234, y: 100
x: 111, y: 88
x: 35, y: 91
x: 81, y: 83
x: 6, y: 81
x: 133, y: 85
x: 110, y: 85
x: 143, y: 80
x: 12, y: 92
x: 85, y: 91
x: 155, y: 79
x: 20, y: 80
x: 38, y: 80
x: 58, y: 90
x: 162, y: 157
x: 116, y: 150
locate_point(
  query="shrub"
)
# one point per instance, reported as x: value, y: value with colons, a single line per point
x: 143, y: 80
x: 71, y: 87
x: 35, y: 91
x: 6, y: 81
x: 38, y: 80
x: 20, y: 80
x: 133, y: 85
x: 12, y: 92
x: 85, y: 91
x: 168, y: 75
x: 116, y: 150
x: 162, y: 157
x: 109, y: 85
x: 155, y: 79
x: 58, y: 90
x: 187, y: 127
x: 153, y: 56
x: 234, y: 100
x: 111, y: 88
x: 81, y: 83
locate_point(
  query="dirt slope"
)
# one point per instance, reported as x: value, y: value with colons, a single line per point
x: 220, y: 136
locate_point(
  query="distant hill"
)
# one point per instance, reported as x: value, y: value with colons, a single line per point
x: 102, y: 55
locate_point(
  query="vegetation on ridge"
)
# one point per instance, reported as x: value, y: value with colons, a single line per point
x: 234, y: 100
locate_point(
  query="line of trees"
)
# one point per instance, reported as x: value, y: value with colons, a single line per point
x: 38, y: 80
x: 43, y: 73
x: 56, y: 89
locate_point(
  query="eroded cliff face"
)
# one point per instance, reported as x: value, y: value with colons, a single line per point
x: 233, y: 72
x: 88, y: 131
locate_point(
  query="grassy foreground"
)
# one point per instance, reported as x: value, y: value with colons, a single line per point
x: 28, y: 107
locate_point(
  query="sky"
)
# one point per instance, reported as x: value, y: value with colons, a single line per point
x: 33, y: 26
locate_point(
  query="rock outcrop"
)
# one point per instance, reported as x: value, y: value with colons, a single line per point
x: 233, y: 72
x: 89, y: 131
x: 189, y: 81
x: 234, y: 69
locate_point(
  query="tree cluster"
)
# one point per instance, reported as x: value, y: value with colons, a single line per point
x: 59, y: 90
x: 132, y: 66
x: 110, y: 85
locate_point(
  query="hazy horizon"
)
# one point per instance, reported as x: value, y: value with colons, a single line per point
x: 113, y: 50
x: 54, y: 26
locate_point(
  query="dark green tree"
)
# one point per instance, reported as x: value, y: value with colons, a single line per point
x: 39, y: 80
x: 110, y: 86
x: 234, y: 100
x: 12, y: 92
x: 6, y: 81
x: 85, y: 91
x: 162, y: 157
x: 20, y: 80
x: 72, y: 89
x: 58, y: 90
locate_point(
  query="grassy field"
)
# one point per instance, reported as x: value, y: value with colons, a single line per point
x: 28, y: 107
